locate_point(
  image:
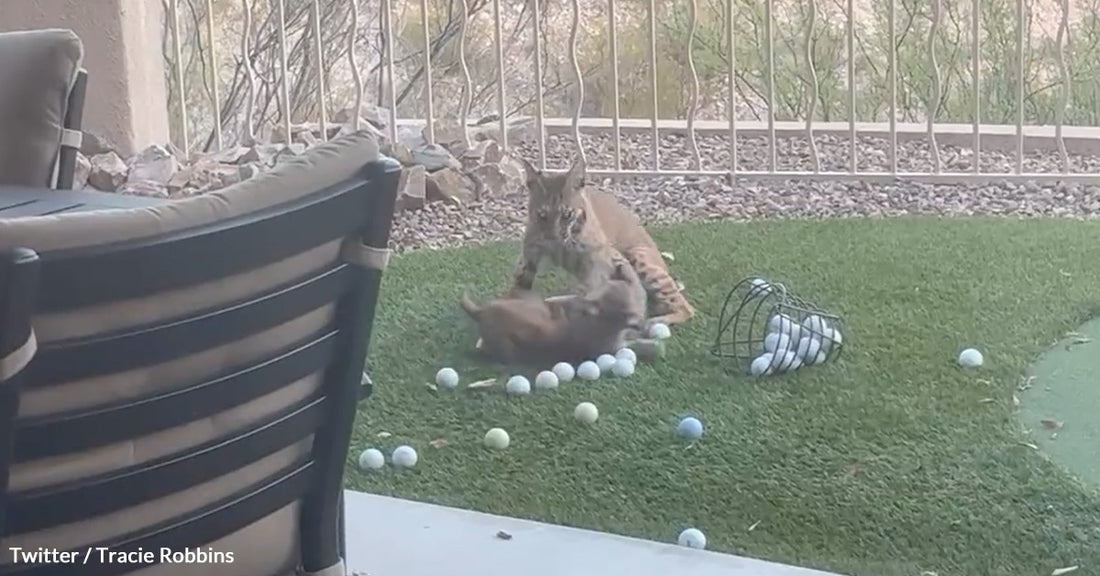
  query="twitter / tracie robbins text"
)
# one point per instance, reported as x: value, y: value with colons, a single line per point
x: 104, y: 555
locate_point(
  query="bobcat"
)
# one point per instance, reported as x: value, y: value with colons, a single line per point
x: 528, y: 329
x: 583, y: 231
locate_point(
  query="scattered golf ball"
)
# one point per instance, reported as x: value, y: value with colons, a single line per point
x: 518, y: 386
x: 371, y: 459
x: 970, y: 358
x: 497, y: 439
x: 605, y: 362
x: 690, y: 427
x: 776, y: 341
x: 628, y: 354
x: 404, y: 457
x: 815, y: 324
x: 586, y: 412
x: 692, y: 538
x: 588, y: 370
x: 762, y: 364
x: 547, y: 380
x: 660, y: 331
x: 623, y: 368
x: 564, y: 371
x: 446, y: 378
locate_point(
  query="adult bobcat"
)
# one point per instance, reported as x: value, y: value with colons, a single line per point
x: 584, y: 231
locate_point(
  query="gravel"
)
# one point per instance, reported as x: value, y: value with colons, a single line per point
x: 677, y: 199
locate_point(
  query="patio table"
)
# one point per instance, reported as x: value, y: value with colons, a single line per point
x: 17, y: 201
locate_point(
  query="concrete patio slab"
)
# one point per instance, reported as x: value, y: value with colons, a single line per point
x: 393, y: 537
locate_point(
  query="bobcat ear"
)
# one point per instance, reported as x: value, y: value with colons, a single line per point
x: 577, y: 173
x: 529, y: 169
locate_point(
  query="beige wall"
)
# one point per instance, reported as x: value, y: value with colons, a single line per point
x: 127, y: 97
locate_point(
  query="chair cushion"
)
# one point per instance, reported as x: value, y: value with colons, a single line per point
x: 38, y: 68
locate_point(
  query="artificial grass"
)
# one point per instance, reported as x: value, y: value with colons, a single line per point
x: 892, y: 461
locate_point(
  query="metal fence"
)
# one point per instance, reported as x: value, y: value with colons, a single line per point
x: 352, y: 21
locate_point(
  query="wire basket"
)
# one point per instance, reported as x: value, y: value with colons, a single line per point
x: 768, y: 330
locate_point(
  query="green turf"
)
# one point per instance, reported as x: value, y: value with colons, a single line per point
x: 891, y: 462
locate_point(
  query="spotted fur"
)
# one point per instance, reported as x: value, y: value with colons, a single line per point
x: 585, y: 231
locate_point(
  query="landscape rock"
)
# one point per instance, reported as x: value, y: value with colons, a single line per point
x: 145, y: 188
x: 411, y: 188
x: 449, y: 185
x: 155, y: 163
x: 107, y: 171
x: 81, y: 171
x: 500, y: 178
x: 92, y: 144
x: 435, y: 157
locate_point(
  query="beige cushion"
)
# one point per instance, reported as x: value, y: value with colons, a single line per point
x: 321, y: 167
x: 38, y: 69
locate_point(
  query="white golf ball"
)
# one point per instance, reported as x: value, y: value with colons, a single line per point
x: 660, y: 331
x: 605, y: 362
x: 546, y: 380
x: 588, y: 370
x: 628, y: 354
x: 762, y: 364
x: 970, y: 358
x: 371, y: 459
x: 808, y: 348
x: 564, y: 371
x: 785, y: 361
x: 814, y: 324
x: 692, y: 538
x: 446, y: 378
x: 623, y: 368
x: 784, y: 324
x: 518, y: 386
x: 586, y: 412
x: 831, y: 337
x: 497, y: 439
x: 759, y: 286
x: 404, y: 457
x: 776, y: 341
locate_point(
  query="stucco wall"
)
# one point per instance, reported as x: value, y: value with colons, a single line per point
x: 127, y: 97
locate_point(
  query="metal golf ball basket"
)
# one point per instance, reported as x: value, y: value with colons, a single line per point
x: 767, y: 329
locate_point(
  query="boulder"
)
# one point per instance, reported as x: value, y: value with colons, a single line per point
x: 449, y: 185
x: 411, y: 188
x: 154, y: 163
x: 107, y: 172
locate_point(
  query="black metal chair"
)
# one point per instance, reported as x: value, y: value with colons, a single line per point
x: 197, y: 372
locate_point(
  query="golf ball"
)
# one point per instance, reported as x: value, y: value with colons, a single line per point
x: 586, y: 412
x: 628, y: 354
x: 404, y: 457
x: 692, y: 538
x: 660, y: 331
x: 446, y: 378
x: 762, y: 364
x: 546, y: 380
x: 588, y: 370
x: 564, y: 371
x: 623, y: 368
x: 497, y: 439
x: 518, y: 386
x: 785, y: 362
x: 759, y: 286
x: 371, y: 459
x: 784, y: 324
x: 690, y: 427
x: 831, y: 337
x: 776, y: 341
x: 815, y: 324
x: 970, y: 358
x: 809, y: 350
x: 605, y: 362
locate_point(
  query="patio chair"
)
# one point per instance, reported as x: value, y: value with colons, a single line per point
x: 185, y: 376
x: 42, y: 90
